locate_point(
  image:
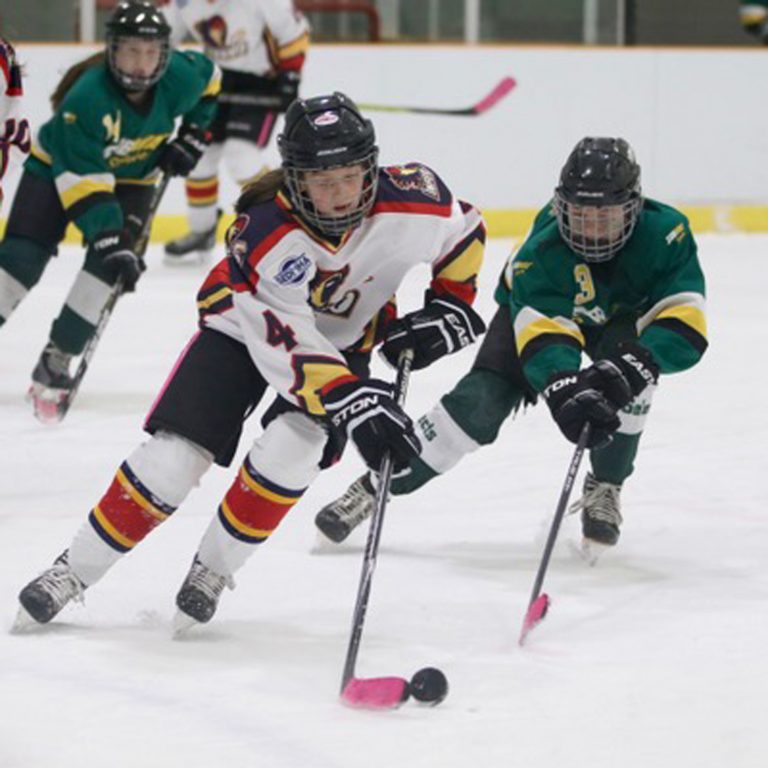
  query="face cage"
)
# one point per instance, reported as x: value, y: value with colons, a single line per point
x: 596, y: 249
x: 335, y: 226
x: 131, y: 82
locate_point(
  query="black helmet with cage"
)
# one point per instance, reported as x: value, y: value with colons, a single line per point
x: 323, y: 133
x: 598, y: 200
x: 141, y: 20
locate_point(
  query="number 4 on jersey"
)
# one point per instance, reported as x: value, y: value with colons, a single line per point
x: 277, y: 333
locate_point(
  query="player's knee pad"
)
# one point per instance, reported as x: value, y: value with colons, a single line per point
x: 634, y: 415
x: 481, y: 402
x: 22, y: 262
x: 273, y: 477
x: 169, y: 466
x: 243, y: 159
x: 23, y: 259
x: 443, y: 441
x: 207, y: 166
x: 289, y: 450
x: 90, y: 291
x: 146, y: 490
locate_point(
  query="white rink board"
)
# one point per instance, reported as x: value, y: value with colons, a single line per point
x: 693, y: 116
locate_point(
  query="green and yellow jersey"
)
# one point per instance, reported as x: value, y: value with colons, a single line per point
x: 97, y: 138
x: 558, y: 301
x: 753, y: 15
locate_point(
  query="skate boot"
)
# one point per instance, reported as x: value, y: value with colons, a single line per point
x: 198, y: 597
x: 46, y: 595
x: 194, y: 248
x: 339, y: 518
x: 600, y: 512
x: 51, y: 384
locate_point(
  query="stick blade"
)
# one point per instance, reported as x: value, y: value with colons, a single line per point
x: 496, y: 95
x: 375, y: 692
x: 537, y: 610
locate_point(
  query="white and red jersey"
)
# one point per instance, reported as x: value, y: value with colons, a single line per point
x: 298, y: 301
x: 14, y: 129
x: 261, y: 37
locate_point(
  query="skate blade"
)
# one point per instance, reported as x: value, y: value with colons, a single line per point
x: 181, y: 625
x: 24, y: 622
x: 48, y: 405
x: 591, y: 551
x: 325, y: 546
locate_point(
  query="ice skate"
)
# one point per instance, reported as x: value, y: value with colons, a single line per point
x: 198, y: 597
x: 600, y: 517
x: 339, y: 518
x: 192, y: 249
x: 51, y: 385
x: 43, y: 598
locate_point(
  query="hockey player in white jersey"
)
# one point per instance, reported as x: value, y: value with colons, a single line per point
x: 314, y: 258
x: 260, y: 48
x: 14, y: 129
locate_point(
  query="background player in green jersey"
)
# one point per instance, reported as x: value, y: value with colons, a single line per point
x: 603, y: 271
x: 754, y: 18
x: 95, y: 163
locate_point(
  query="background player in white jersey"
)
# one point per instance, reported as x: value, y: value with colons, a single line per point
x: 260, y: 48
x: 306, y: 290
x: 14, y: 129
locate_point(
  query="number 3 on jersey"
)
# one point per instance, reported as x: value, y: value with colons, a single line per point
x: 277, y: 333
x: 583, y: 278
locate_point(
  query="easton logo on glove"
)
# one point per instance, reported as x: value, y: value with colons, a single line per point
x: 356, y: 406
x: 643, y: 370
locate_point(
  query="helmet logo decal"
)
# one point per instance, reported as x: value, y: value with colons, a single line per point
x: 326, y: 118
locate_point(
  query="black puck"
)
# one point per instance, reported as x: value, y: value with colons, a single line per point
x: 429, y: 686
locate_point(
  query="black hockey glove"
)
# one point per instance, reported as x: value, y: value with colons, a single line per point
x: 623, y: 375
x: 181, y: 155
x: 367, y: 412
x: 287, y: 87
x: 574, y: 401
x: 445, y: 325
x: 118, y: 259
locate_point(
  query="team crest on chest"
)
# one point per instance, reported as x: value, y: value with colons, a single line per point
x: 414, y: 177
x: 213, y: 31
x: 325, y: 296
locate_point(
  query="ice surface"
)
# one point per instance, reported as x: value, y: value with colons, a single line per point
x: 655, y: 658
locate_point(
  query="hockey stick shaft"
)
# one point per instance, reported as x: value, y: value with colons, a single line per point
x: 502, y: 88
x: 140, y: 246
x: 538, y: 604
x: 374, y: 536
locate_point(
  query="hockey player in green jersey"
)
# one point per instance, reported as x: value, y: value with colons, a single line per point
x: 604, y: 272
x: 754, y: 18
x: 95, y: 163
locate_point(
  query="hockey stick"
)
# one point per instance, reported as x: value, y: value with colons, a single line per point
x: 374, y: 692
x: 539, y: 602
x: 504, y: 86
x: 140, y: 246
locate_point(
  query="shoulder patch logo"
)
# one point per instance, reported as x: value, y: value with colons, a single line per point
x: 237, y: 248
x: 293, y: 270
x: 416, y: 177
x: 676, y: 234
